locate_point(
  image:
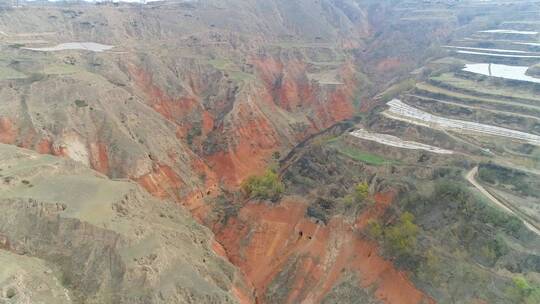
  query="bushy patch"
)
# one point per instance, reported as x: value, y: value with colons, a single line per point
x: 518, y: 181
x: 458, y: 203
x: 399, y: 239
x: 358, y: 196
x: 521, y: 291
x: 361, y: 191
x: 267, y: 186
x: 81, y: 103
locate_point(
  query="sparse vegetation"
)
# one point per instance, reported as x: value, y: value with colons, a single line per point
x: 292, y: 105
x: 510, y: 178
x: 9, y: 73
x: 230, y: 68
x: 397, y: 89
x: 267, y: 186
x: 60, y: 69
x: 469, y: 207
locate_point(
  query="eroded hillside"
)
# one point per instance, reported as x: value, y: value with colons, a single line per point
x: 71, y: 235
x: 191, y: 101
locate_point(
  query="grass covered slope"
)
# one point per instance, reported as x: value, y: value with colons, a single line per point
x: 106, y: 241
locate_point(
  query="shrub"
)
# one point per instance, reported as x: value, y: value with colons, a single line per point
x: 488, y: 253
x: 521, y: 291
x: 348, y: 201
x: 266, y: 186
x: 375, y: 230
x: 429, y: 269
x: 361, y: 191
x: 401, y: 237
x: 356, y: 197
x: 11, y: 292
x: 81, y: 103
x: 194, y: 132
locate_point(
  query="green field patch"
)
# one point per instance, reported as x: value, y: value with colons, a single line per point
x: 240, y: 76
x: 221, y: 64
x: 485, y: 88
x: 60, y: 69
x: 462, y: 96
x: 357, y: 154
x: 7, y: 73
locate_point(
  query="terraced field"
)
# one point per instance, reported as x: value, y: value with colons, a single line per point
x: 485, y: 88
x: 86, y: 46
x: 394, y: 141
x: 466, y: 97
x: 484, y: 95
x: 401, y: 111
x: 502, y: 71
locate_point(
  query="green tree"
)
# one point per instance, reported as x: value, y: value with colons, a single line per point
x: 374, y: 229
x: 429, y: 268
x: 361, y: 191
x: 401, y: 237
x: 266, y: 186
x: 522, y: 291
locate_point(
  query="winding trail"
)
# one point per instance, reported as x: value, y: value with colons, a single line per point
x: 471, y: 178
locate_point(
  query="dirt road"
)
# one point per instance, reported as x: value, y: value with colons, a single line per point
x: 471, y: 178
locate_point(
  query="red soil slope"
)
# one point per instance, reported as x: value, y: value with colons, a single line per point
x: 264, y: 239
x: 255, y: 138
x: 254, y: 128
x: 8, y: 132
